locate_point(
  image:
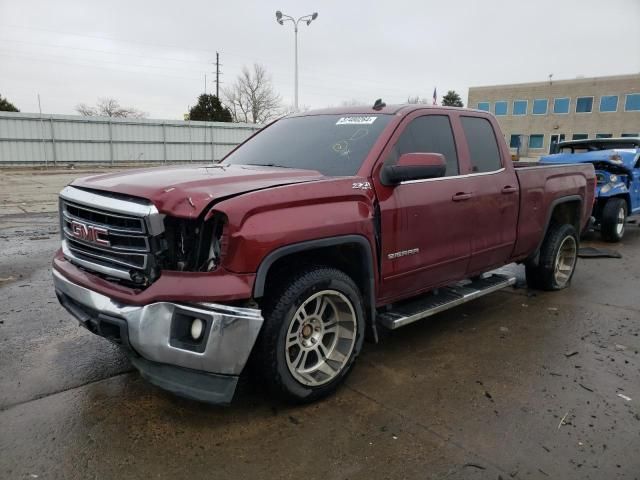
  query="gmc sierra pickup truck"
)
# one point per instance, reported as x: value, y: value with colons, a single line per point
x: 318, y: 230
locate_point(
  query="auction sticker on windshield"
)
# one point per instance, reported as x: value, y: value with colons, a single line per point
x: 356, y: 120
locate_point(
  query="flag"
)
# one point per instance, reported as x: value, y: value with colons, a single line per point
x: 435, y: 96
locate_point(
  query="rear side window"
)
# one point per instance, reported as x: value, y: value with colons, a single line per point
x: 428, y: 134
x: 483, y: 147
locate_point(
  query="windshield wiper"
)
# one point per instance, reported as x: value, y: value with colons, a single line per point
x: 267, y: 165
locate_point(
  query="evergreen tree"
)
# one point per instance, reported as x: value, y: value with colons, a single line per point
x: 7, y: 106
x: 209, y: 109
x: 452, y: 99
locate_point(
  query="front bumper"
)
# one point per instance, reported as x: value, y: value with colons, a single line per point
x: 153, y: 336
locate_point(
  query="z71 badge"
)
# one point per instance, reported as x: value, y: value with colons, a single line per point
x: 361, y: 186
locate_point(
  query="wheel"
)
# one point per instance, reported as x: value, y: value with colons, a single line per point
x: 614, y: 215
x: 312, y: 333
x: 557, y: 262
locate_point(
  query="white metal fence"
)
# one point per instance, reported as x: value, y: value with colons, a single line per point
x: 31, y: 139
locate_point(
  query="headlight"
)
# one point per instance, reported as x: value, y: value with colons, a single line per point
x: 613, y: 178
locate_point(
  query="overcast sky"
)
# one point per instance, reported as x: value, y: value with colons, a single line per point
x: 153, y: 55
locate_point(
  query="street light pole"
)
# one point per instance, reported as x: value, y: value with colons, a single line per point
x: 281, y: 18
x: 295, y: 96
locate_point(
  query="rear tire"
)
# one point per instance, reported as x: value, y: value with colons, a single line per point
x: 614, y: 214
x: 557, y: 262
x: 312, y: 333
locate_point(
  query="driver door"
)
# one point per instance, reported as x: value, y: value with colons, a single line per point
x: 425, y: 224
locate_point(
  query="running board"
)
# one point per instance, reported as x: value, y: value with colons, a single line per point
x: 442, y: 299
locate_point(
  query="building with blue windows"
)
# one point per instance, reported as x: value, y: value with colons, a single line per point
x: 535, y: 116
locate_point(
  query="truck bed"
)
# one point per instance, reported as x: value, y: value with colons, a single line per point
x: 541, y: 187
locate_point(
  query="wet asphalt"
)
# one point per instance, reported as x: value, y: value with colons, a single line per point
x: 517, y: 384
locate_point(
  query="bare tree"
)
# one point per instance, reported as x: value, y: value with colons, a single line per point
x: 252, y: 97
x: 416, y: 99
x: 109, y: 107
x: 354, y: 102
x: 289, y: 109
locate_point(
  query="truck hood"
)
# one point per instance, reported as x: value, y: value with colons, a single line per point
x: 187, y: 191
x: 624, y: 158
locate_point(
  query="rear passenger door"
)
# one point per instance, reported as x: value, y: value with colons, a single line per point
x: 495, y: 195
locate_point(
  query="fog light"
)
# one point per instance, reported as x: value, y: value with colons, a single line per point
x: 197, y: 327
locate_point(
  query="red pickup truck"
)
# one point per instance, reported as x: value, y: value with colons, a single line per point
x: 315, y: 232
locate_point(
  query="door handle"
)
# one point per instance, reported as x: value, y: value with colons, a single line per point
x: 461, y: 196
x: 509, y: 189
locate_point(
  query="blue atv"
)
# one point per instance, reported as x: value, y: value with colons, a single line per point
x: 617, y: 165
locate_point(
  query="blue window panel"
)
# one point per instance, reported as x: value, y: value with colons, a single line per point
x: 604, y: 135
x: 540, y: 106
x: 561, y: 105
x: 514, y: 141
x: 626, y: 135
x: 520, y: 107
x: 580, y: 136
x: 536, y: 141
x: 584, y: 104
x: 632, y: 102
x: 483, y: 106
x: 608, y: 103
x: 500, y: 108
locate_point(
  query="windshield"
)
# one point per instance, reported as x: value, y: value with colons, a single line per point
x: 334, y: 145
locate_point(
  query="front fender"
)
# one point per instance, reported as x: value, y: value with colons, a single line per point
x: 263, y: 221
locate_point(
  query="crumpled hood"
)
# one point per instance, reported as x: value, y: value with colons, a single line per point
x: 627, y: 157
x: 186, y: 191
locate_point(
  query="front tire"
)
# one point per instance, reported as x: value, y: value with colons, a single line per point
x: 312, y: 333
x: 614, y: 214
x: 557, y: 262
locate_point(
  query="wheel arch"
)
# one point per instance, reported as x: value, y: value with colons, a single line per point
x: 560, y: 210
x: 626, y: 196
x: 331, y: 251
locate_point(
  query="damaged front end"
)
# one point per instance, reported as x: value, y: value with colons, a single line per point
x: 193, y: 245
x: 168, y: 321
x: 126, y: 240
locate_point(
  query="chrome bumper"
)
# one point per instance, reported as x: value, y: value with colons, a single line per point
x: 230, y: 332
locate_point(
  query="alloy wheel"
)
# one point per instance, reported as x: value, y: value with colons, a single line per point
x: 565, y: 261
x: 320, y: 338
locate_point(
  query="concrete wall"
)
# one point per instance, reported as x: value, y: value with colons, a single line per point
x: 596, y: 122
x: 61, y: 139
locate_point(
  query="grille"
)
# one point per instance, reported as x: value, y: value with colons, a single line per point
x: 600, y: 178
x: 107, y: 235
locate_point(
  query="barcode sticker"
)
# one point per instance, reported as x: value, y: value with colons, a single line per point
x: 356, y: 120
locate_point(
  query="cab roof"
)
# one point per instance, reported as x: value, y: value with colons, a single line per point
x: 395, y: 109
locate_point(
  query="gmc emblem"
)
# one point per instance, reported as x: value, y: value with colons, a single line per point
x: 89, y: 233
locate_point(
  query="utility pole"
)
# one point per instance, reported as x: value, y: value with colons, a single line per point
x: 217, y: 75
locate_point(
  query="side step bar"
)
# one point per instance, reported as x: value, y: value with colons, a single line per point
x: 431, y: 303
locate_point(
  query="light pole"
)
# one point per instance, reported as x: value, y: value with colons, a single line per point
x: 281, y: 18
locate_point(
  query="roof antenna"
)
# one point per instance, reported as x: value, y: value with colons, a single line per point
x: 379, y: 104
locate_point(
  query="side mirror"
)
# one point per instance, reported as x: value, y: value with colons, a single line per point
x: 414, y: 166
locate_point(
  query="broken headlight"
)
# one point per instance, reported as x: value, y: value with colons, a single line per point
x: 194, y: 245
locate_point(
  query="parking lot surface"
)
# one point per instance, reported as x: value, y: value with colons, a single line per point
x: 517, y: 384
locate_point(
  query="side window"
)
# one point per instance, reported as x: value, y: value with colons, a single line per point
x: 483, y: 147
x: 428, y: 134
